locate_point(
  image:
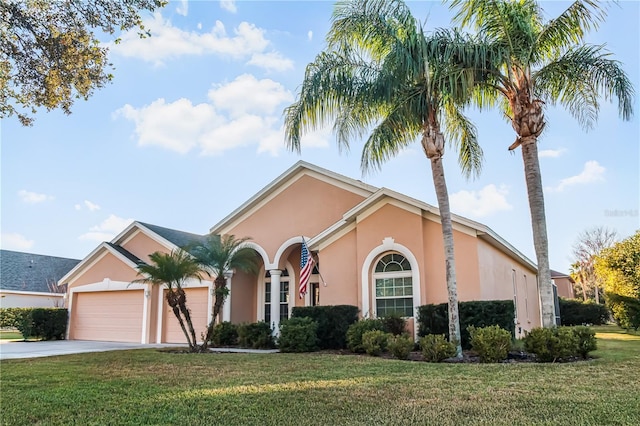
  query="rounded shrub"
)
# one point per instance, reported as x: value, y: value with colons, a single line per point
x: 400, y: 346
x: 356, y: 330
x: 374, y: 342
x: 255, y: 335
x: 551, y: 344
x: 436, y: 348
x: 492, y: 344
x: 394, y: 324
x: 298, y: 335
x: 587, y: 341
x: 225, y: 334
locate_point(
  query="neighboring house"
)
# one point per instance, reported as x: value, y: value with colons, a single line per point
x: 30, y: 280
x: 564, y: 284
x: 375, y: 248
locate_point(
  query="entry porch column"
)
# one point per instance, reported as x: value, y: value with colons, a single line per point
x: 275, y: 300
x: 226, y: 308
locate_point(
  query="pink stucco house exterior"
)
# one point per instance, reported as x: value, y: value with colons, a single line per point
x: 375, y: 248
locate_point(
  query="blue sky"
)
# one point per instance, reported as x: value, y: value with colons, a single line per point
x: 192, y: 127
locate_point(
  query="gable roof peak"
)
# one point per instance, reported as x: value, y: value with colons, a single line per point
x: 289, y: 176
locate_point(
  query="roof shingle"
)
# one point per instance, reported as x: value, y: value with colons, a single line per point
x: 32, y: 272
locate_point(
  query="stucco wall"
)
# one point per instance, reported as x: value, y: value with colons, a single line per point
x: 9, y: 299
x: 339, y: 268
x: 565, y: 288
x: 142, y: 246
x: 243, y: 298
x: 108, y: 266
x: 306, y: 207
x: 497, y: 273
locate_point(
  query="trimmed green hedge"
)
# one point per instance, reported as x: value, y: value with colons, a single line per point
x: 256, y: 335
x: 43, y: 323
x: 298, y: 335
x: 333, y: 323
x: 576, y: 312
x: 434, y: 319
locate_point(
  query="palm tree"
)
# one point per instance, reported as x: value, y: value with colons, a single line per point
x: 217, y: 255
x: 529, y: 63
x: 378, y: 76
x: 172, y: 271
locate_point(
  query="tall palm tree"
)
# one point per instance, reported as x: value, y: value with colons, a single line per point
x: 378, y: 76
x: 217, y: 255
x: 529, y: 63
x: 172, y: 271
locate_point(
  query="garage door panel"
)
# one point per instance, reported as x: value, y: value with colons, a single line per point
x: 108, y: 315
x: 197, y: 302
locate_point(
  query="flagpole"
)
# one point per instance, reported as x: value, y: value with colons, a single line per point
x: 324, y: 283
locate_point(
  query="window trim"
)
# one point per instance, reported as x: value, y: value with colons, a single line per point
x: 368, y: 285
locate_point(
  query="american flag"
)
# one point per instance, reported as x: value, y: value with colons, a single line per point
x: 306, y: 266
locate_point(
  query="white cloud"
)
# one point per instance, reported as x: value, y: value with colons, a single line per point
x: 485, y: 202
x: 244, y: 112
x: 310, y: 35
x: 272, y: 61
x: 167, y: 42
x: 177, y: 126
x: 33, y: 197
x: 248, y: 95
x: 551, y: 153
x: 15, y: 241
x: 183, y: 8
x: 592, y: 172
x: 229, y: 5
x: 92, y: 207
x: 107, y: 229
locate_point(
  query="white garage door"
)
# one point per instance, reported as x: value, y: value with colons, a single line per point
x: 112, y: 316
x: 197, y: 302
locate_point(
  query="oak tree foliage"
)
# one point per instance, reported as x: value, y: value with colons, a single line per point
x: 50, y: 54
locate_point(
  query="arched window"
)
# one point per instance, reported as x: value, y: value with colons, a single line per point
x: 393, y: 286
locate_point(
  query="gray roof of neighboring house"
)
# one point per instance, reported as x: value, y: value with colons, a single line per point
x: 32, y: 272
x: 179, y: 238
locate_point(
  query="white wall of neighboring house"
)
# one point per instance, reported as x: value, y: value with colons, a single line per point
x: 30, y: 299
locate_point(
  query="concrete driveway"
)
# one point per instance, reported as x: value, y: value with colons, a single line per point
x: 16, y: 349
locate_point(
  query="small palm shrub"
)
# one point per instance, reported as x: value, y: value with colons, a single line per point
x: 400, y: 346
x: 356, y: 330
x: 298, y: 335
x: 225, y: 334
x: 374, y: 342
x: 586, y: 340
x: 436, y: 348
x: 255, y: 335
x: 492, y: 344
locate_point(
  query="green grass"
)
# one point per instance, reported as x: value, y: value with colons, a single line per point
x: 10, y: 335
x: 152, y: 387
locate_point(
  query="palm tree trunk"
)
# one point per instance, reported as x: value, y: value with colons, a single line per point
x: 182, y: 305
x: 539, y: 225
x: 173, y: 304
x: 442, y: 194
x: 433, y: 146
x: 220, y: 294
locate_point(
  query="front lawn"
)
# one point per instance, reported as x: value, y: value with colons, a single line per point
x: 152, y: 387
x: 10, y: 335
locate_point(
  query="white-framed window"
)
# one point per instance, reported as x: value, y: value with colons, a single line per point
x: 284, y: 296
x: 393, y: 286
